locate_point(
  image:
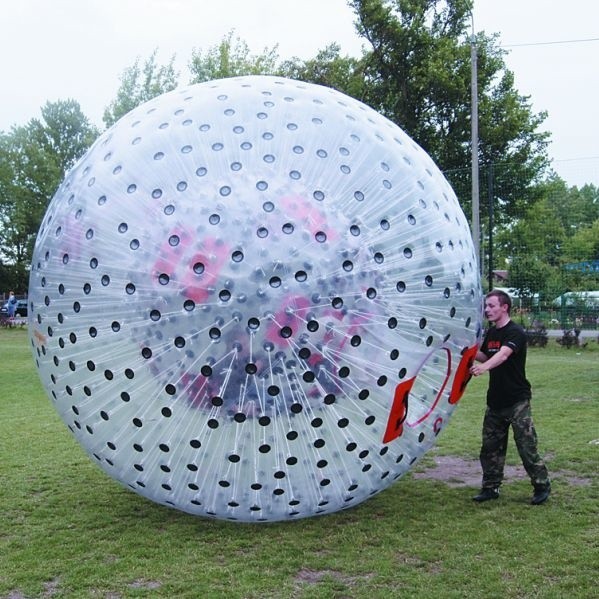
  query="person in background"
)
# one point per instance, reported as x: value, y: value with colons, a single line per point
x: 503, y: 355
x: 12, y: 304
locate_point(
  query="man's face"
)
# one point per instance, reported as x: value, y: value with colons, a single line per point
x: 494, y: 311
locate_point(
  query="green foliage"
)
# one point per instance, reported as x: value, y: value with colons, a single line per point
x: 140, y: 84
x: 584, y: 244
x: 231, y: 58
x: 579, y: 211
x: 35, y: 159
x: 538, y: 235
x: 575, y: 208
x: 559, y: 228
x: 331, y: 69
x: 529, y: 277
x: 67, y: 530
x: 418, y: 74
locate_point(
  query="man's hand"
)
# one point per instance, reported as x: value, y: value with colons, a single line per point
x: 499, y: 358
x: 477, y: 369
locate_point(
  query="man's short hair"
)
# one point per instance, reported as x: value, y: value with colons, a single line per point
x: 502, y: 297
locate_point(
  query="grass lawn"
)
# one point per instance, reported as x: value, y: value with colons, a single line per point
x: 67, y: 530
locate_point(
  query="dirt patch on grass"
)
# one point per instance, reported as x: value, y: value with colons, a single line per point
x: 573, y: 479
x: 458, y: 472
x: 308, y: 576
x: 51, y: 588
x: 145, y: 584
x: 415, y: 562
x: 311, y: 576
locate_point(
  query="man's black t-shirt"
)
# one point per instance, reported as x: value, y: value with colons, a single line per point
x: 507, y: 382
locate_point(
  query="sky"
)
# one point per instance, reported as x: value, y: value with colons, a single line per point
x: 61, y: 49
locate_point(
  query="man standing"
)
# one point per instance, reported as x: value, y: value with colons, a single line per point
x: 503, y: 355
x: 12, y: 305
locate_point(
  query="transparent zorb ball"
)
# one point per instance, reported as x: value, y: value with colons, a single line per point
x: 255, y: 299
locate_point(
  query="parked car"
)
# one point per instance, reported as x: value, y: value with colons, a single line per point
x: 21, y: 309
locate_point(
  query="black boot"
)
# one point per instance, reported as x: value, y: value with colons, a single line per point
x: 541, y: 494
x: 487, y: 493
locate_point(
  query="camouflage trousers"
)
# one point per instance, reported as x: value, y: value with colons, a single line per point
x: 496, y: 427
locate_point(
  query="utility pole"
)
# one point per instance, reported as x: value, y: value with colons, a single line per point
x: 474, y: 131
x: 491, y: 223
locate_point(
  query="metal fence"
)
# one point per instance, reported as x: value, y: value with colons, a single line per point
x: 508, y: 214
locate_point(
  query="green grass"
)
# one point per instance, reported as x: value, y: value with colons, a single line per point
x: 67, y: 530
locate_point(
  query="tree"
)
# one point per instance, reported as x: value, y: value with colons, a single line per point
x: 538, y: 233
x: 531, y: 248
x: 542, y: 247
x: 418, y: 74
x: 583, y: 246
x: 575, y: 208
x: 529, y: 277
x: 231, y: 58
x: 63, y: 135
x: 329, y: 68
x: 140, y: 84
x: 35, y: 158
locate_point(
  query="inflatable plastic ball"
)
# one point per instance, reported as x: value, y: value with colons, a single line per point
x: 255, y: 299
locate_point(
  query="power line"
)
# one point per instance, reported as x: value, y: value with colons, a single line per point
x: 574, y: 159
x: 590, y: 39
